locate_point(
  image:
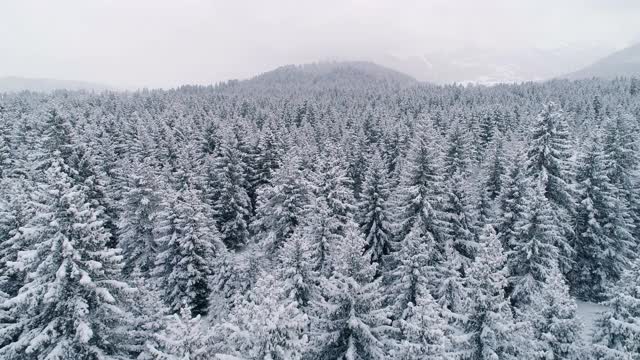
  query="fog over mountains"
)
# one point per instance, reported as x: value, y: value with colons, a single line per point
x: 465, y: 66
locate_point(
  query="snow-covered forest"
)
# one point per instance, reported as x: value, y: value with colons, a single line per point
x: 321, y: 212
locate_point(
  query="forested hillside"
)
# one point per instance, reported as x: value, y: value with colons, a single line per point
x: 346, y: 212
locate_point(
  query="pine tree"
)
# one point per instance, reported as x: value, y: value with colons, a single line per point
x: 296, y: 269
x: 320, y: 227
x: 603, y: 241
x: 553, y: 315
x: 416, y: 270
x: 459, y: 219
x: 232, y: 204
x: 374, y: 211
x: 351, y: 321
x: 495, y: 169
x: 456, y: 158
x: 424, y: 332
x: 148, y: 318
x: 190, y: 244
x: 266, y: 325
x: 511, y: 202
x: 140, y: 206
x: 185, y: 338
x: 281, y: 205
x: 533, y: 254
x: 548, y: 166
x: 622, y: 154
x: 491, y: 330
x: 334, y: 186
x: 70, y: 303
x: 617, y: 329
x: 15, y: 212
x: 419, y: 194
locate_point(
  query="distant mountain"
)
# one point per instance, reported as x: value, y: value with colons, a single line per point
x: 625, y: 63
x: 329, y: 75
x: 491, y: 66
x: 16, y: 84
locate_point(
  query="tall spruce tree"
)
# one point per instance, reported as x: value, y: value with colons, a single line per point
x: 616, y: 330
x: 548, y: 165
x: 603, y: 241
x: 70, y: 305
x: 351, y: 322
x: 189, y: 244
x: 374, y: 210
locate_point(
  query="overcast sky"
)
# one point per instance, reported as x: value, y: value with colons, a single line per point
x: 158, y: 43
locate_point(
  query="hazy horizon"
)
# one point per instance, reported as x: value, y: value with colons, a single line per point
x: 165, y: 44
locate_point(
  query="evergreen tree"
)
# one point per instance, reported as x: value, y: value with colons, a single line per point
x: 416, y: 270
x: 296, y: 269
x: 140, y: 206
x: 232, y: 204
x: 491, y: 330
x: 548, y: 166
x: 511, y: 207
x: 334, y: 186
x: 70, y: 305
x: 603, y: 241
x: 533, y: 254
x: 622, y: 155
x: 351, y: 321
x: 424, y: 332
x: 320, y: 229
x: 617, y: 329
x: 185, y: 338
x: 16, y: 209
x: 281, y: 205
x: 459, y: 219
x: 374, y: 211
x: 267, y: 325
x: 553, y: 315
x: 190, y: 244
x: 419, y: 194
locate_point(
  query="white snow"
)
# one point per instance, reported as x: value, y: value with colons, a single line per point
x: 587, y: 312
x: 227, y: 357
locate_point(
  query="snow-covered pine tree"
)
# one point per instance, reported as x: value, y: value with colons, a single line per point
x: 622, y: 153
x: 16, y: 210
x: 424, y: 332
x: 231, y: 203
x: 511, y: 202
x: 416, y: 270
x: 296, y: 269
x: 281, y: 205
x: 318, y: 227
x: 495, y: 169
x: 334, y: 186
x: 420, y: 192
x: 351, y: 322
x: 456, y: 158
x: 603, y: 241
x: 267, y: 324
x: 491, y: 331
x: 184, y: 338
x: 147, y: 318
x: 617, y: 329
x: 70, y: 305
x: 533, y: 254
x: 548, y: 165
x: 374, y: 210
x: 557, y: 327
x: 189, y: 245
x: 140, y: 206
x: 459, y: 219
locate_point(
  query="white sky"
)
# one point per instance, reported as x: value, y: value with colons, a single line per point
x: 157, y: 43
